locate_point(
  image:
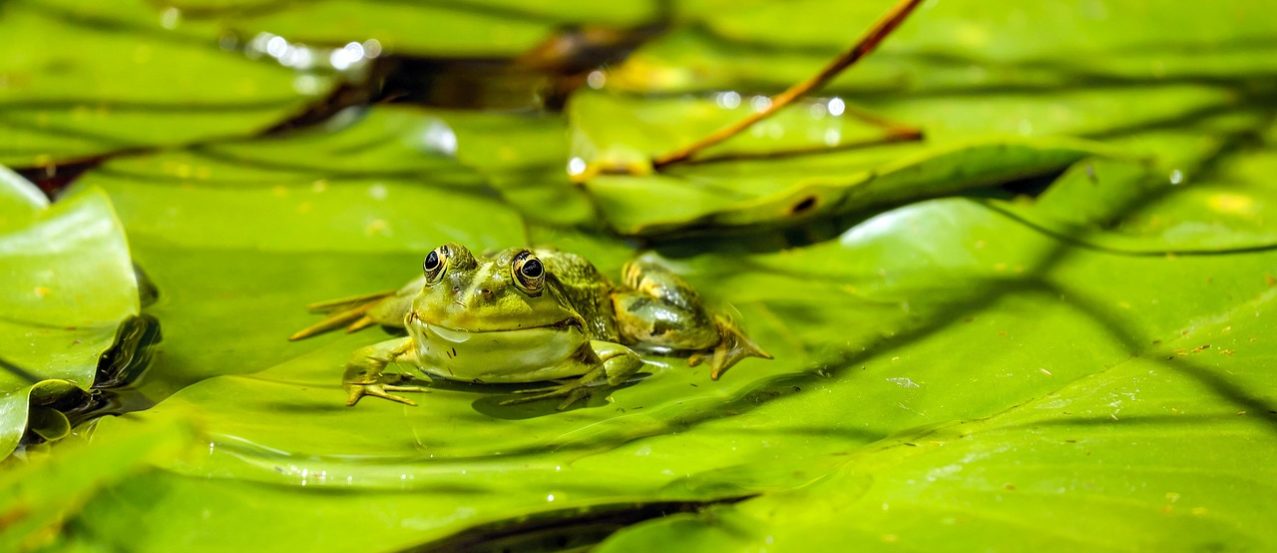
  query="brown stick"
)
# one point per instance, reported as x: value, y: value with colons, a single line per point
x: 867, y: 44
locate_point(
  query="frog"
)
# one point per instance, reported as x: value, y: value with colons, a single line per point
x: 529, y: 315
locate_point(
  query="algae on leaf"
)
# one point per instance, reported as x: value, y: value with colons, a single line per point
x: 68, y: 285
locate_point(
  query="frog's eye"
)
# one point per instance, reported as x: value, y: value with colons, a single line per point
x: 529, y: 273
x: 435, y: 264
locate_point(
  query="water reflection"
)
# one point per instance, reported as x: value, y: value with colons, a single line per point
x: 352, y: 59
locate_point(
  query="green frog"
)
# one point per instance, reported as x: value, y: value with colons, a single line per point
x: 529, y: 315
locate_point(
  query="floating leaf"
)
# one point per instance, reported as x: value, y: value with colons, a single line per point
x: 958, y: 46
x: 888, y: 318
x: 68, y: 286
x: 73, y: 88
x: 1156, y: 451
x: 756, y: 184
x: 927, y: 356
x: 274, y: 224
x: 483, y: 28
x: 42, y: 492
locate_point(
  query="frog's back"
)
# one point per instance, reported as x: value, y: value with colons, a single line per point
x: 584, y: 288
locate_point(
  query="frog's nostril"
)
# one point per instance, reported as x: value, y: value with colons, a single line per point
x: 485, y: 291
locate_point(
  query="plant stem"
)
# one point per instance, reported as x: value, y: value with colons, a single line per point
x: 867, y: 43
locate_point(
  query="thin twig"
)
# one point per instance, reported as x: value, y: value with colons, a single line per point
x: 863, y: 47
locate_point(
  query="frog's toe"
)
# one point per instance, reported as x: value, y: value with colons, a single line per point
x: 357, y: 391
x: 571, y: 393
x: 733, y: 347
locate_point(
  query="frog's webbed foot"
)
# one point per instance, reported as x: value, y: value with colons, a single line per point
x: 358, y: 312
x: 571, y: 392
x: 365, y: 377
x: 732, y: 347
x: 661, y: 309
x: 382, y: 388
x: 351, y: 313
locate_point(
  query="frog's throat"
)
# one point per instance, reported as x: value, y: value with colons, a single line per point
x: 423, y: 324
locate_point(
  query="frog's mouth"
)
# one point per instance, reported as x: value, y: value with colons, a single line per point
x: 462, y: 334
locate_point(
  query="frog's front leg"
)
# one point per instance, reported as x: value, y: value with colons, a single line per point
x: 661, y: 310
x: 612, y: 364
x: 364, y: 376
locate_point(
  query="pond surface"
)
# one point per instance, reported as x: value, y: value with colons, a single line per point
x: 1041, y: 322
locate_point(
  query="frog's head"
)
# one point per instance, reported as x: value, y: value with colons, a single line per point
x: 503, y: 291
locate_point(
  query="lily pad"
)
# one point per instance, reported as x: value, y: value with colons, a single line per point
x: 274, y: 224
x: 72, y: 88
x: 895, y: 318
x: 957, y: 46
x: 483, y: 28
x: 69, y: 284
x: 756, y: 184
x: 1097, y: 464
x: 1026, y: 366
x: 44, y: 491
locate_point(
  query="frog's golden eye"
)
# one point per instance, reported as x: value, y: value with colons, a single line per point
x: 529, y: 273
x: 435, y: 264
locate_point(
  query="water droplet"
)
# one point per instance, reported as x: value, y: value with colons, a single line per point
x: 904, y: 382
x: 837, y: 106
x: 276, y: 46
x: 728, y: 100
x: 833, y: 137
x: 576, y: 166
x: 440, y: 138
x: 760, y: 103
x: 372, y: 48
x: 596, y: 79
x: 1177, y: 177
x: 298, y: 57
x: 347, y: 56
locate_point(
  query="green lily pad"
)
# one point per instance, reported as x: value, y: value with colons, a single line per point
x: 911, y: 317
x: 753, y: 184
x: 957, y: 46
x: 484, y: 28
x: 42, y: 492
x: 73, y: 88
x: 1076, y: 361
x: 374, y: 181
x: 69, y: 284
x: 271, y: 225
x: 1100, y: 463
